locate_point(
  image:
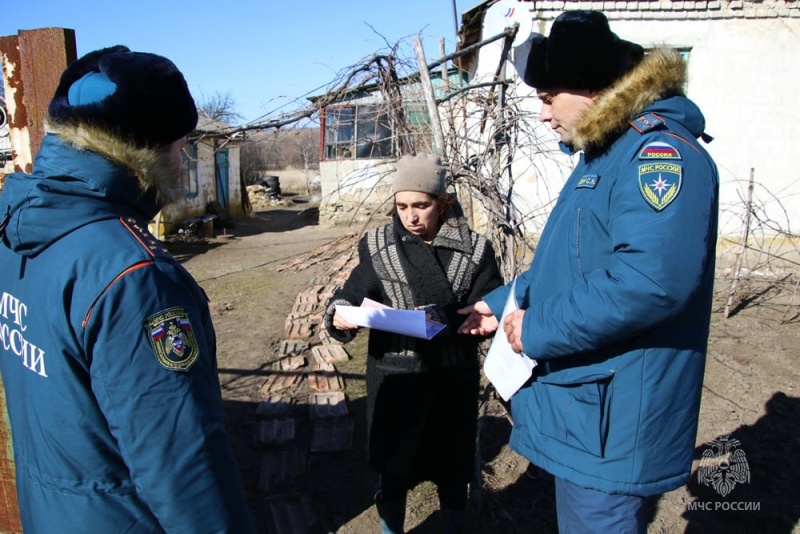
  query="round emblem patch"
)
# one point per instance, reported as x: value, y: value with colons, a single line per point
x: 172, y: 338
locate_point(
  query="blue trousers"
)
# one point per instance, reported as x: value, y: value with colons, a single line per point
x: 584, y: 511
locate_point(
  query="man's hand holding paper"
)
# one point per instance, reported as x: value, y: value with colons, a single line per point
x: 506, y: 367
x: 512, y: 326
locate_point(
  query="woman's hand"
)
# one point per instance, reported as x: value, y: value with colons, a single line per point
x: 341, y: 324
x: 480, y: 320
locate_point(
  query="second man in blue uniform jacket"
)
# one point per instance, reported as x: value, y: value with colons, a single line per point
x: 616, y: 304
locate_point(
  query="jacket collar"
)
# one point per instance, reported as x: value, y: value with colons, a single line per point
x: 150, y: 166
x: 454, y: 233
x: 69, y: 187
x: 660, y: 74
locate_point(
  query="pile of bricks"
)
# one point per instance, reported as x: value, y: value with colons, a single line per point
x: 303, y: 406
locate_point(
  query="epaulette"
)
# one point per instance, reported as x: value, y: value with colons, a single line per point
x: 153, y: 246
x: 647, y: 122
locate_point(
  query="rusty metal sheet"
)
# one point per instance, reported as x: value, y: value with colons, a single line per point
x: 32, y: 65
x: 45, y: 53
x: 15, y: 104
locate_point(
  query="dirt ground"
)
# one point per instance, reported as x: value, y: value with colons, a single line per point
x: 750, y: 395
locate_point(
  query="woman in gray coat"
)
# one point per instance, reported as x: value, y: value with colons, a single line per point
x: 422, y: 395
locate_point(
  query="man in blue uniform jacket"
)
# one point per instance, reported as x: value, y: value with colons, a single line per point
x: 107, y: 351
x: 616, y: 304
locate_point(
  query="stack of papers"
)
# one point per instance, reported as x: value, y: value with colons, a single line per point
x: 375, y: 315
x: 506, y: 369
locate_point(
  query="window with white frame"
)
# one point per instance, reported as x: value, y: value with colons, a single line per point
x: 359, y: 131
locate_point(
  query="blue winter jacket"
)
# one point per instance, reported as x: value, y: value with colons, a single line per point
x: 618, y: 296
x: 108, y: 359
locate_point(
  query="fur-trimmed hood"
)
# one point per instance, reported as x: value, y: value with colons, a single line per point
x: 80, y: 176
x: 148, y: 165
x: 660, y: 75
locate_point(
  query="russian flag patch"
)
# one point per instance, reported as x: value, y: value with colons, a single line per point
x: 659, y: 150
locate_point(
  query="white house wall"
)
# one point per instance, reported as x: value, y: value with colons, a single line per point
x: 539, y: 169
x: 234, y: 182
x: 744, y: 73
x: 191, y: 206
x: 353, y: 189
x: 745, y: 76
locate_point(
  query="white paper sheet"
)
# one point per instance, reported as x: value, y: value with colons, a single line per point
x: 375, y: 315
x: 504, y: 368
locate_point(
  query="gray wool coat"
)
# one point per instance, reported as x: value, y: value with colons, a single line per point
x: 422, y: 395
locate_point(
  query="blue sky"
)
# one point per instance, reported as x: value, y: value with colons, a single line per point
x: 259, y: 51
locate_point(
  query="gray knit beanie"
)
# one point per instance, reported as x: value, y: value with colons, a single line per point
x: 424, y: 173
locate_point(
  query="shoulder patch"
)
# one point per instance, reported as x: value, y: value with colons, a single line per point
x: 660, y: 183
x: 647, y: 122
x: 588, y: 181
x: 659, y: 150
x: 172, y: 338
x: 153, y: 246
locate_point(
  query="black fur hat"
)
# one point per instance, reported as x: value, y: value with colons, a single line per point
x: 139, y: 97
x: 581, y: 53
